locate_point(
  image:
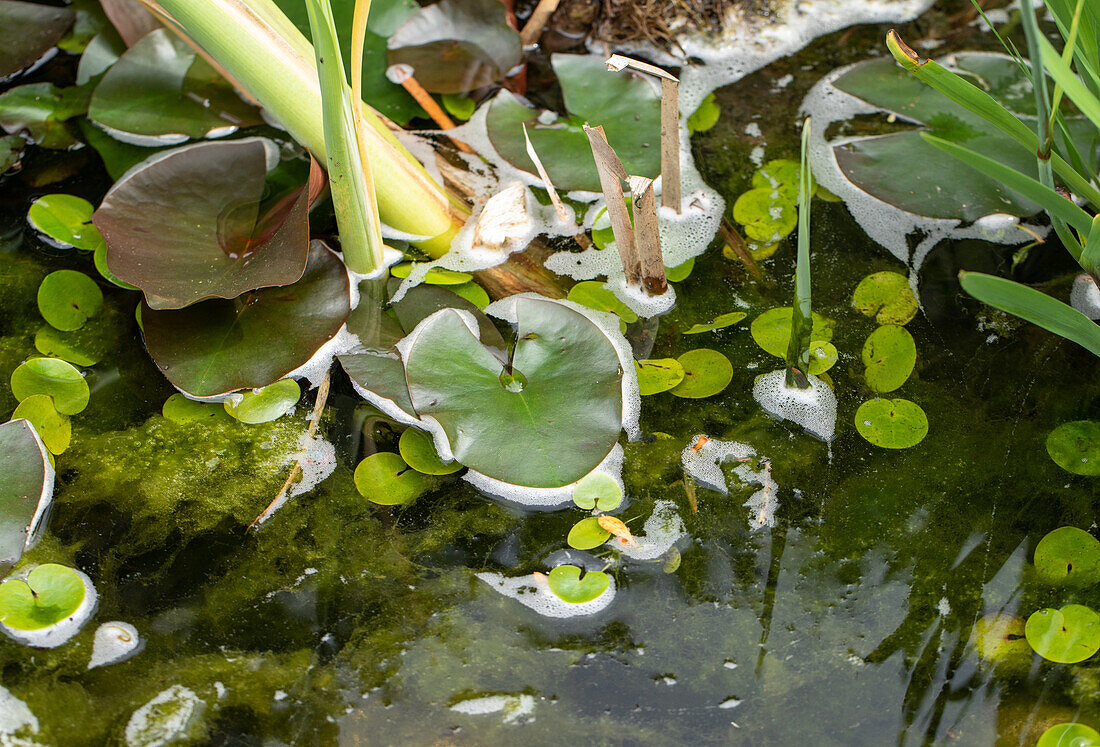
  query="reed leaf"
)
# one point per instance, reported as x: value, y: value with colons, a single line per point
x: 798, y: 351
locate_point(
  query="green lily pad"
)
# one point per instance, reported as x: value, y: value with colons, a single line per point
x: 418, y: 451
x: 706, y: 373
x: 11, y: 151
x: 1069, y: 735
x: 598, y: 490
x: 823, y: 356
x: 266, y: 404
x: 26, y: 483
x: 67, y: 299
x: 181, y: 410
x: 1066, y: 636
x: 548, y: 431
x: 627, y: 106
x: 202, y: 202
x: 161, y: 87
x: 384, y: 478
x: 458, y: 106
x: 772, y: 330
x: 680, y: 272
x: 100, y: 336
x: 766, y: 215
x: 779, y: 175
x: 595, y: 295
x: 887, y: 297
x: 658, y: 375
x: 424, y: 300
x: 999, y: 639
x: 720, y: 321
x: 889, y: 355
x: 52, y: 377
x: 216, y: 347
x: 41, y: 110
x: 66, y: 221
x: 587, y: 534
x: 891, y: 423
x: 569, y: 586
x: 50, y: 594
x: 27, y: 32
x: 473, y: 293
x: 705, y: 116
x: 1068, y: 556
x: 435, y: 276
x: 1075, y: 447
x: 53, y: 428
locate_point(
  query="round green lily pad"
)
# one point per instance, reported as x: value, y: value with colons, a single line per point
x: 594, y: 295
x: 891, y: 423
x: 706, y: 116
x: 1066, y: 636
x: 658, y: 375
x: 587, y: 534
x: 74, y: 347
x: 720, y: 321
x: 66, y: 220
x: 67, y: 299
x: 435, y: 276
x: 53, y: 428
x: 418, y: 451
x: 598, y: 490
x: 1068, y: 556
x: 680, y: 271
x: 887, y: 297
x: 823, y: 356
x: 49, y: 595
x: 706, y: 373
x: 54, y: 377
x: 766, y: 214
x: 1075, y: 447
x: 180, y: 410
x: 1069, y: 735
x: 889, y: 355
x: 779, y: 175
x: 569, y: 586
x: 999, y: 639
x: 772, y: 330
x: 384, y: 478
x: 266, y: 404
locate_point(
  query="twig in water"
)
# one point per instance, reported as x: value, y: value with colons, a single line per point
x: 532, y: 30
x: 402, y: 75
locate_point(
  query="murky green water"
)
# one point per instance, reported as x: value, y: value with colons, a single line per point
x: 342, y: 621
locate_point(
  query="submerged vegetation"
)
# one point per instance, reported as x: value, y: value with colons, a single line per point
x: 344, y: 431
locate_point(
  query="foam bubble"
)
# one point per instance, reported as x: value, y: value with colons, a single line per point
x: 518, y: 708
x: 168, y: 718
x: 15, y: 716
x: 114, y: 642
x: 813, y: 408
x: 533, y: 592
x: 663, y: 529
x: 53, y: 636
x: 1085, y: 296
x: 701, y: 460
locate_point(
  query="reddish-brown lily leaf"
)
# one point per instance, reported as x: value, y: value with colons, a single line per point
x: 218, y: 346
x: 184, y: 226
x: 27, y: 32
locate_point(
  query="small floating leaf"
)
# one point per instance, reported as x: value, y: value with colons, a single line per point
x: 598, y: 490
x: 41, y: 109
x: 679, y: 272
x: 1068, y: 556
x: 50, y: 594
x: 74, y: 347
x: 473, y: 293
x: 418, y: 450
x: 705, y: 117
x: 1066, y: 636
x: 772, y: 330
x: 887, y: 297
x: 180, y: 409
x: 766, y: 215
x: 779, y: 175
x: 723, y: 320
x: 999, y: 639
x: 386, y: 479
x: 54, y: 377
x: 53, y: 428
x: 889, y: 355
x: 66, y: 220
x: 435, y: 276
x: 595, y: 295
x: 823, y: 355
x: 568, y: 585
x: 266, y: 404
x: 587, y: 534
x: 458, y: 106
x: 658, y: 375
x: 1069, y: 735
x: 706, y: 373
x: 891, y: 423
x: 67, y: 299
x: 1075, y: 447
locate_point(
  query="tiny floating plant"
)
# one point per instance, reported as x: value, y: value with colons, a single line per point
x: 48, y: 606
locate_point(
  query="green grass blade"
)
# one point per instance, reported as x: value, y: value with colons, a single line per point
x: 349, y: 180
x: 798, y: 350
x: 1077, y: 92
x: 1090, y: 256
x: 1035, y: 307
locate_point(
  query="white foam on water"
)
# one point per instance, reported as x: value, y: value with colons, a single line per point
x: 515, y: 709
x: 702, y: 460
x: 813, y: 408
x: 15, y: 716
x: 663, y: 529
x: 1085, y: 296
x: 54, y: 635
x: 166, y: 719
x: 763, y: 503
x: 114, y: 642
x: 318, y: 461
x: 533, y: 592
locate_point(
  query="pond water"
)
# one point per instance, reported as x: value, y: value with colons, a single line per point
x: 848, y: 622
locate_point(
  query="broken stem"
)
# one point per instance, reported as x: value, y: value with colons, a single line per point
x: 403, y: 75
x: 532, y: 30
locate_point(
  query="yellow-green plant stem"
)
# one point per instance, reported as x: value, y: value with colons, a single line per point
x: 263, y: 51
